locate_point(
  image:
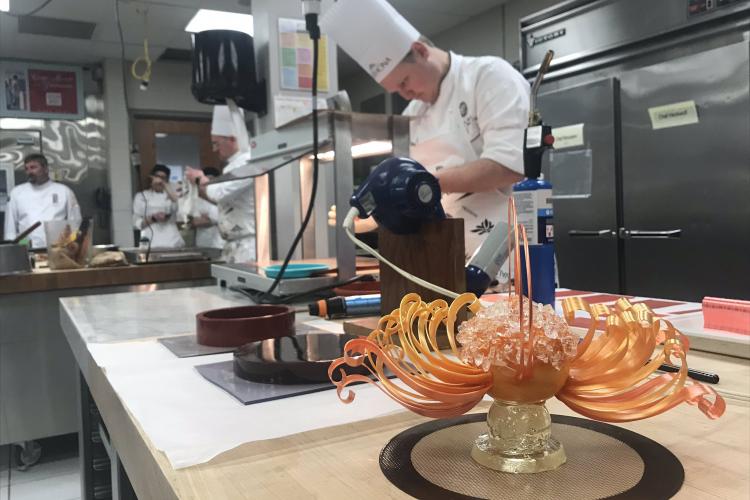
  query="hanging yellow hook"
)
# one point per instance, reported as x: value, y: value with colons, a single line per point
x: 145, y: 75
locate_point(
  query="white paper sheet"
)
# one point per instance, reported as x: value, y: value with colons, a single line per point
x: 191, y: 420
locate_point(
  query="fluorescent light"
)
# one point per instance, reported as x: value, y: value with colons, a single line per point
x: 372, y: 148
x: 219, y: 20
x: 4, y: 5
x: 16, y: 123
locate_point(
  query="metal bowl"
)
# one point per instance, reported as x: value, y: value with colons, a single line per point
x: 14, y: 259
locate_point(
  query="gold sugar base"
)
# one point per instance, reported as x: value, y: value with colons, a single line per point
x: 518, y: 440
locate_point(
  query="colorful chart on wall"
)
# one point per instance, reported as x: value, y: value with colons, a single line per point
x: 296, y: 57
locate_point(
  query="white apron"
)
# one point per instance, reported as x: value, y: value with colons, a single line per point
x: 449, y: 148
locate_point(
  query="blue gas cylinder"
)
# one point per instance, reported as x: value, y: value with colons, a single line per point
x: 533, y: 199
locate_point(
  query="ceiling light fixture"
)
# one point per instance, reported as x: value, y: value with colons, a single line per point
x: 219, y: 20
x: 4, y: 5
x: 371, y: 148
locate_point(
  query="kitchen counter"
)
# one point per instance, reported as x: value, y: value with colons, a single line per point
x: 38, y: 374
x: 341, y: 461
x: 47, y: 279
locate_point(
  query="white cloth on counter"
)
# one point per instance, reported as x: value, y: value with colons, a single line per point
x: 236, y: 203
x: 161, y: 234
x: 481, y: 112
x: 30, y: 203
x: 209, y: 236
x: 191, y: 420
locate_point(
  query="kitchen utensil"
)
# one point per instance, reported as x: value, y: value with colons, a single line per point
x: 234, y: 326
x: 14, y: 259
x: 296, y: 270
x: 26, y: 232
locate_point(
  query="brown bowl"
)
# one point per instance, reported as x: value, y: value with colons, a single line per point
x: 235, y: 326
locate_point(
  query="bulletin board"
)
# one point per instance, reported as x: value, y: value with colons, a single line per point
x: 296, y: 57
x: 46, y: 91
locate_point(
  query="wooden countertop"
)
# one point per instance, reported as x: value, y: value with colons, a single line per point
x: 342, y: 461
x: 46, y: 279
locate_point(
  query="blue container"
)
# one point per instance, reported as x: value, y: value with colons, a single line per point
x: 542, y: 259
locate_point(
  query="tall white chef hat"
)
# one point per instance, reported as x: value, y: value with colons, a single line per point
x: 372, y: 32
x: 221, y: 124
x: 229, y: 121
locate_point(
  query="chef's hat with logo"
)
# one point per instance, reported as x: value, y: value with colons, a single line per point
x: 372, y: 32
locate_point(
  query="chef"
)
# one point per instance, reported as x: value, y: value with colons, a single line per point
x: 469, y: 113
x: 234, y: 199
x: 155, y: 209
x: 39, y: 199
x: 206, y: 221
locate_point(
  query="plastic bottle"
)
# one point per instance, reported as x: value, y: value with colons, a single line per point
x: 533, y: 198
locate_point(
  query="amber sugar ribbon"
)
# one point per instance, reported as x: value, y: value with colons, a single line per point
x: 611, y: 377
x: 405, y: 342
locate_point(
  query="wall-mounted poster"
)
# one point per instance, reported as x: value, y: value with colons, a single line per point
x: 32, y: 90
x: 296, y: 57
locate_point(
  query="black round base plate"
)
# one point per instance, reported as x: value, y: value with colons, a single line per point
x: 663, y: 474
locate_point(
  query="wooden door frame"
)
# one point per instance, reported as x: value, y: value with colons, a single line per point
x: 145, y: 130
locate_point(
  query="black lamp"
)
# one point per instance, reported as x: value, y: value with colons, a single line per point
x: 224, y: 67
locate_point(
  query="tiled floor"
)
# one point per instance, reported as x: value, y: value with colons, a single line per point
x: 55, y: 477
x: 58, y: 480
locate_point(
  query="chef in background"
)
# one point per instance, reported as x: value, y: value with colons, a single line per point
x: 206, y: 224
x: 39, y: 199
x: 468, y: 113
x: 235, y: 199
x: 154, y: 211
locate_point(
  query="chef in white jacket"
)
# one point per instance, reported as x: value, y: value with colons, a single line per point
x: 41, y: 200
x: 155, y: 209
x: 469, y: 112
x: 234, y: 199
x: 206, y: 222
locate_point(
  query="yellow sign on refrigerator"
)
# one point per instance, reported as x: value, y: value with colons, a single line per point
x: 673, y: 115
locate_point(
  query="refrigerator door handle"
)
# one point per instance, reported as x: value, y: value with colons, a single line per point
x: 634, y: 233
x: 600, y: 233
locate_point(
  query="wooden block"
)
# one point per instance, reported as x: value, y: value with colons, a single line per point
x: 361, y: 327
x: 435, y: 254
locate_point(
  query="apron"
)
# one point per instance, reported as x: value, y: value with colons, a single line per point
x: 450, y: 148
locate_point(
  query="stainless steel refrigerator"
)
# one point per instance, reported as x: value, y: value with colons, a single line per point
x: 651, y: 173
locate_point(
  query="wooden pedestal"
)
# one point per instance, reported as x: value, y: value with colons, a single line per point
x: 435, y: 254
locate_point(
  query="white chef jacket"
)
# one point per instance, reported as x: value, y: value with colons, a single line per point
x: 208, y: 236
x: 161, y: 234
x: 30, y: 203
x: 236, y: 203
x: 481, y: 112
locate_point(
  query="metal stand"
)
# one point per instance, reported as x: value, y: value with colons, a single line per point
x: 338, y: 132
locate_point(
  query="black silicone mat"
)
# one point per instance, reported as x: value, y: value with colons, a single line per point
x: 187, y: 346
x: 246, y: 392
x: 593, y: 450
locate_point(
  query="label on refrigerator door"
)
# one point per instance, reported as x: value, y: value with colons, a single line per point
x: 569, y: 136
x: 673, y: 115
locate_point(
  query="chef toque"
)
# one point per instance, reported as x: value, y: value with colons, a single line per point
x: 372, y: 32
x: 221, y: 124
x: 229, y: 121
